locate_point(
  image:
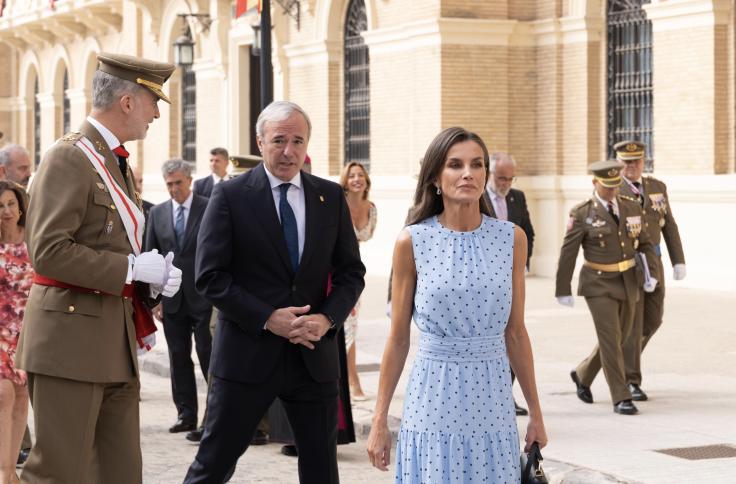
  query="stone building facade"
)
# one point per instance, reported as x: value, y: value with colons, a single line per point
x: 532, y: 77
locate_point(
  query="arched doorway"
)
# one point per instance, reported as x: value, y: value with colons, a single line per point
x: 357, y: 86
x: 629, y: 75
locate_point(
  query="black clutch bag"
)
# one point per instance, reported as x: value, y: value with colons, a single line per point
x: 531, y: 466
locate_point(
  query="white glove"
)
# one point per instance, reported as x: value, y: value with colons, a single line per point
x: 650, y: 285
x: 568, y: 301
x: 679, y: 272
x: 149, y: 267
x: 173, y: 274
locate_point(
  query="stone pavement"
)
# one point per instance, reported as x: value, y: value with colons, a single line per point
x: 688, y: 373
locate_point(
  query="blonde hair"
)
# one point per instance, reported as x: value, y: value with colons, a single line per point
x: 344, y: 178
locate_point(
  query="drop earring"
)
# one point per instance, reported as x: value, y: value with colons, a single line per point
x: 439, y: 191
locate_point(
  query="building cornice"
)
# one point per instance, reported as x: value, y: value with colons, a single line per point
x: 483, y: 32
x: 688, y: 14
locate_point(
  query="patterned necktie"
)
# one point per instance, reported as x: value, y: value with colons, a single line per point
x: 179, y: 227
x: 639, y: 192
x: 122, y: 155
x: 288, y: 225
x: 503, y: 213
x: 612, y: 212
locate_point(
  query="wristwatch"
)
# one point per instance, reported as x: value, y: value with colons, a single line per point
x: 333, y: 325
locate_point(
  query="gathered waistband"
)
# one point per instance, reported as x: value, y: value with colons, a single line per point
x: 449, y: 348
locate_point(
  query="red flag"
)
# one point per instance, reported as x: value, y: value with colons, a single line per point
x: 243, y: 6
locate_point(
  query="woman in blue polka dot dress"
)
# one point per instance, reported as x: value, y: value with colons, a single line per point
x: 460, y: 275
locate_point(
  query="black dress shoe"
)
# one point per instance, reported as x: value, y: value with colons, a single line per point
x: 195, y: 435
x: 583, y: 392
x: 625, y: 407
x: 259, y: 438
x: 229, y: 474
x: 182, y: 425
x: 290, y: 450
x: 23, y: 456
x: 520, y: 410
x: 637, y: 394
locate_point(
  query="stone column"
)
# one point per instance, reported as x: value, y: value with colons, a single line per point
x: 693, y: 86
x: 80, y: 102
x: 50, y: 125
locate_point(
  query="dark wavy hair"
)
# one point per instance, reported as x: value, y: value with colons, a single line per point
x: 426, y: 201
x: 20, y: 195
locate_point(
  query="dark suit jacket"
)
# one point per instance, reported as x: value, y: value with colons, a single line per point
x: 243, y: 269
x: 518, y: 214
x: 203, y: 186
x: 147, y: 206
x: 160, y: 235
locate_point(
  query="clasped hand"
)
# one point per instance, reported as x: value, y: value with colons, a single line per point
x: 294, y: 324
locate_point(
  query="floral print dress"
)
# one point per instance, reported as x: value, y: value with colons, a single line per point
x: 16, y: 277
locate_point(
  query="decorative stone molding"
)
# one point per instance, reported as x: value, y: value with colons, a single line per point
x: 688, y: 14
x: 317, y: 52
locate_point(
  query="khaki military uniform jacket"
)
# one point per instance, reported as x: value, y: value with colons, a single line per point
x: 75, y: 235
x: 658, y: 219
x: 604, y: 242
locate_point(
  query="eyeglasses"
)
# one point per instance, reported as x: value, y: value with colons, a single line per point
x: 505, y: 179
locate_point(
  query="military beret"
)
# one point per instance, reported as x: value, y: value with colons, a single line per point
x: 149, y: 74
x: 630, y: 150
x: 608, y: 173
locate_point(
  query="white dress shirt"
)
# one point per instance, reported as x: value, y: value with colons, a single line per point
x: 111, y: 140
x: 605, y: 203
x: 187, y: 208
x: 295, y: 197
x: 216, y: 179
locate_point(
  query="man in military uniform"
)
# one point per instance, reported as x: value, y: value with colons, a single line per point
x: 658, y: 223
x: 88, y: 310
x: 609, y: 228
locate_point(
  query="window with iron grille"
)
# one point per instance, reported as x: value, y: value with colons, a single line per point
x: 630, y: 76
x: 36, y: 125
x: 66, y: 115
x: 188, y: 114
x: 357, y: 87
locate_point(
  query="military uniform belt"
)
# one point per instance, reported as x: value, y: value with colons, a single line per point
x: 622, y: 266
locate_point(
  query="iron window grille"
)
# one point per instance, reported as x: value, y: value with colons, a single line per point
x: 630, y: 105
x: 66, y: 113
x: 188, y: 114
x: 357, y: 86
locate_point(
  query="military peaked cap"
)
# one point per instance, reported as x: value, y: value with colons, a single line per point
x: 608, y: 173
x: 630, y: 150
x: 149, y: 74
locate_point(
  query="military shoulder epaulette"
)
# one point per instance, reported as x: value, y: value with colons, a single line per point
x: 629, y: 198
x: 581, y: 204
x: 71, y: 137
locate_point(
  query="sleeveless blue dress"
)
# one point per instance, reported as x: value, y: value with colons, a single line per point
x: 459, y: 423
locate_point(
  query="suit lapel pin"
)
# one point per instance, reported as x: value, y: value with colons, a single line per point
x: 321, y: 198
x: 99, y: 145
x: 511, y: 199
x: 101, y: 186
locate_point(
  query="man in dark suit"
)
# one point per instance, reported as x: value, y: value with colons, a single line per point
x: 138, y: 181
x: 508, y: 203
x: 268, y: 242
x: 173, y: 226
x: 219, y: 160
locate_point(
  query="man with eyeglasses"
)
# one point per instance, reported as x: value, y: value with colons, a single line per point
x: 660, y: 225
x: 508, y: 203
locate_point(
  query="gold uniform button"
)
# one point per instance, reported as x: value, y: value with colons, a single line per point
x: 622, y: 244
x: 112, y: 206
x: 599, y: 273
x: 71, y: 309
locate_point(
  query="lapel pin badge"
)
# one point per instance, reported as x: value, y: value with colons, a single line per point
x: 321, y: 198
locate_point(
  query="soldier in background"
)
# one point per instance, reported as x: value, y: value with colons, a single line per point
x: 609, y: 228
x: 659, y: 223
